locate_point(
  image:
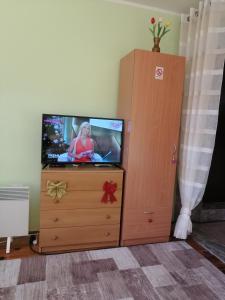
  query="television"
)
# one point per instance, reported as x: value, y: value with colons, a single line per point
x: 81, y: 140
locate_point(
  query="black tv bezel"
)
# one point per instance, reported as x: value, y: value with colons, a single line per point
x: 50, y: 163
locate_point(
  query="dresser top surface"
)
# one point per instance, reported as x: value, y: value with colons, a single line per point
x: 82, y: 169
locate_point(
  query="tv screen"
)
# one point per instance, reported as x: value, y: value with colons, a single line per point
x: 75, y: 140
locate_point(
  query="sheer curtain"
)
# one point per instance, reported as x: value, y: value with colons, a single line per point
x: 202, y: 42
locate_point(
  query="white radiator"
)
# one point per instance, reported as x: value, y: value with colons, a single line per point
x: 14, y: 211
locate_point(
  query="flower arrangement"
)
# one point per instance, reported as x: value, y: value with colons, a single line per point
x: 160, y: 28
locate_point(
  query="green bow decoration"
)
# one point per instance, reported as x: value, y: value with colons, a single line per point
x: 56, y: 189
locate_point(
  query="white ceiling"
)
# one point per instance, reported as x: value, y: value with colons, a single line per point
x: 176, y: 6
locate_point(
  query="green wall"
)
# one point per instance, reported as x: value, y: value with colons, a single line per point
x: 61, y: 56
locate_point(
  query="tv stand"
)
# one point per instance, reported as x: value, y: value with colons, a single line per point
x: 103, y: 165
x: 48, y: 166
x: 82, y: 215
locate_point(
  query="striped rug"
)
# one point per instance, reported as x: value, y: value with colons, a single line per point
x: 171, y: 270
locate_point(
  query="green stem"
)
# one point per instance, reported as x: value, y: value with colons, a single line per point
x: 159, y: 29
x: 164, y: 32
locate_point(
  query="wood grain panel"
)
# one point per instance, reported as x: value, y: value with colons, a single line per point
x: 125, y: 101
x: 83, y: 180
x: 79, y: 217
x: 140, y: 225
x: 126, y: 86
x: 79, y: 199
x: 87, y: 246
x: 155, y: 118
x: 139, y: 216
x: 149, y: 240
x: 78, y: 235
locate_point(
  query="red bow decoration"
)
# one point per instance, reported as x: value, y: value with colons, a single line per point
x: 109, y: 188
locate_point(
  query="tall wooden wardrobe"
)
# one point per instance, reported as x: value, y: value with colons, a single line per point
x: 150, y: 96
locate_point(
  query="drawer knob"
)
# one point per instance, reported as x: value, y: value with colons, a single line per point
x: 107, y: 234
x: 149, y: 220
x: 55, y: 238
x: 108, y: 217
x: 56, y: 201
x: 56, y: 220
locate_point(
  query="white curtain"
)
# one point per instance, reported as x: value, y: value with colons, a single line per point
x: 202, y: 42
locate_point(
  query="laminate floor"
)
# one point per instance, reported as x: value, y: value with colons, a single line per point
x: 171, y: 270
x: 212, y: 237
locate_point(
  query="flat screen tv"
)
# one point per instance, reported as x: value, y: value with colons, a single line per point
x: 75, y: 140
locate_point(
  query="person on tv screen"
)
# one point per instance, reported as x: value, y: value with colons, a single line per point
x: 82, y: 147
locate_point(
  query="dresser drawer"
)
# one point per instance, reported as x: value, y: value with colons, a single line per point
x: 79, y: 217
x: 147, y: 223
x: 78, y: 199
x: 82, y: 181
x: 78, y: 235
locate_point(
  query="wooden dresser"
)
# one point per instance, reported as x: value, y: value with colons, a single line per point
x: 80, y: 208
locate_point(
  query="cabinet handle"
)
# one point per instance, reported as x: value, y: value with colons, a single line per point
x: 148, y: 212
x: 56, y: 220
x: 174, y: 154
x: 55, y: 238
x: 149, y: 220
x: 174, y: 149
x: 108, y: 217
x: 108, y: 234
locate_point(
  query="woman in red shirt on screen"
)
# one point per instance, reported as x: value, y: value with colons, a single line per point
x: 82, y: 147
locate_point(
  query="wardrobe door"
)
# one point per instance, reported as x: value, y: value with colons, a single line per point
x: 155, y: 118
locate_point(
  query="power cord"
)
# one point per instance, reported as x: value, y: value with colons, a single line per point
x: 32, y: 242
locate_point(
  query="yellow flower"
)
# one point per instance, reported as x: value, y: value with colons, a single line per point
x: 167, y: 24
